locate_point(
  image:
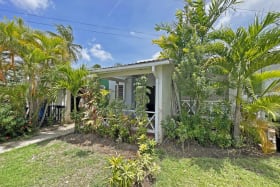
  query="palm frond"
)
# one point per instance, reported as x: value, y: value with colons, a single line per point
x: 269, y: 104
x: 272, y: 88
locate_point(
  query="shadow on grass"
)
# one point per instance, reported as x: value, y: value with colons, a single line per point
x: 254, y: 165
x: 82, y: 153
x: 258, y: 166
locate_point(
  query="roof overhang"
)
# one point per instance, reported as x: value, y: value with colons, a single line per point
x: 138, y: 68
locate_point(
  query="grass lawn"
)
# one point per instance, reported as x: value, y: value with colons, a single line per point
x: 262, y: 172
x: 54, y: 163
x: 57, y: 163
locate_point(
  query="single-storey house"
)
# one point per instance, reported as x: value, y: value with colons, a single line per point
x: 163, y: 102
x: 159, y: 74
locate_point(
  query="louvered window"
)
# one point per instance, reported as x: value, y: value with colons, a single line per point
x: 119, y: 91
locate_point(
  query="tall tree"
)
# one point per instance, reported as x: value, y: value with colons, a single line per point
x: 39, y: 52
x: 73, y: 50
x: 243, y: 52
x: 10, y: 47
x: 185, y: 45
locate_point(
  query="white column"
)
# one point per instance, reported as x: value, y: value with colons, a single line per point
x: 163, y: 75
x: 157, y: 124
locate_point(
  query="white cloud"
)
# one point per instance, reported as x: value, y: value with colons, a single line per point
x: 32, y: 5
x: 261, y: 5
x: 156, y: 55
x: 223, y: 21
x: 85, y: 54
x: 99, y: 53
x: 246, y: 11
x: 135, y: 34
x: 2, y: 2
x: 132, y: 33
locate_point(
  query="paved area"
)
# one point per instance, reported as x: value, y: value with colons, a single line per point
x: 44, y: 134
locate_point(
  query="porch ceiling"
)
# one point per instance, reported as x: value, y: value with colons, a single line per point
x: 142, y: 67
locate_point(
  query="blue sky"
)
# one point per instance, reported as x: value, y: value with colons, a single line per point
x: 118, y: 31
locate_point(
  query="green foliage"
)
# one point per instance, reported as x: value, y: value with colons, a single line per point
x: 141, y: 99
x: 12, y: 124
x: 123, y: 172
x: 72, y: 79
x: 126, y: 173
x: 249, y: 134
x: 170, y: 125
x: 214, y: 128
x: 96, y: 101
x: 186, y: 44
x: 243, y: 54
x: 40, y: 53
x: 146, y: 145
x: 119, y: 125
x: 220, y: 125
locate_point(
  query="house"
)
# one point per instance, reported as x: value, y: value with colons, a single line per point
x: 159, y: 74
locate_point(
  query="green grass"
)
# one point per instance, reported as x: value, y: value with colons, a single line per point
x: 57, y: 163
x: 54, y: 163
x: 220, y: 172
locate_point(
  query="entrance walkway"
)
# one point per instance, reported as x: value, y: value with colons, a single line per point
x: 44, y: 134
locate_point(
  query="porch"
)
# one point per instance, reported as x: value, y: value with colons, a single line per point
x: 121, y: 86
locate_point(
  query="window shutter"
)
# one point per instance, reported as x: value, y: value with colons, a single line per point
x: 119, y: 92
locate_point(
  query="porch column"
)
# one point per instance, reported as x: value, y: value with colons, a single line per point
x: 163, y: 75
x: 128, y: 92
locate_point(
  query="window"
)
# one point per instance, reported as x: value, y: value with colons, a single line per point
x: 119, y: 91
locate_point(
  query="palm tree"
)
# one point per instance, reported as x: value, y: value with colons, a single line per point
x: 184, y: 44
x: 73, y: 50
x: 40, y: 53
x: 72, y: 80
x: 10, y: 32
x: 241, y: 53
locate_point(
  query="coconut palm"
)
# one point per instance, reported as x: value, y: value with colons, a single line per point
x: 73, y: 50
x: 241, y: 53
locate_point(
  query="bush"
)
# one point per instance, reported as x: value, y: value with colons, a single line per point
x: 214, y: 128
x: 126, y: 173
x: 12, y: 124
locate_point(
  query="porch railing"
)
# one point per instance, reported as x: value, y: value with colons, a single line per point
x: 150, y: 125
x: 191, y: 105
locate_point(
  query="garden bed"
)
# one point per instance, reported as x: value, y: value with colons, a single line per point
x: 110, y: 147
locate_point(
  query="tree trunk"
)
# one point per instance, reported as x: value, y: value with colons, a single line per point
x: 75, y: 108
x: 75, y: 114
x: 44, y: 115
x: 237, y: 115
x: 67, y: 116
x: 177, y: 95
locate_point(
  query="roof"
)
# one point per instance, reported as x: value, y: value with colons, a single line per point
x: 139, y: 67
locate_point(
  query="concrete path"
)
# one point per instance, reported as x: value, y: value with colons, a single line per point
x: 44, y: 134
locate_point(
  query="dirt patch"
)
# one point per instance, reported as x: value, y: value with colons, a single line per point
x: 107, y: 146
x: 99, y: 144
x: 193, y: 149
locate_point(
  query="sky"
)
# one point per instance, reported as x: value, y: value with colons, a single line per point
x: 118, y: 31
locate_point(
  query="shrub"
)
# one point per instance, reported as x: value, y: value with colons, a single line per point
x: 126, y: 173
x: 12, y: 124
x: 213, y: 128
